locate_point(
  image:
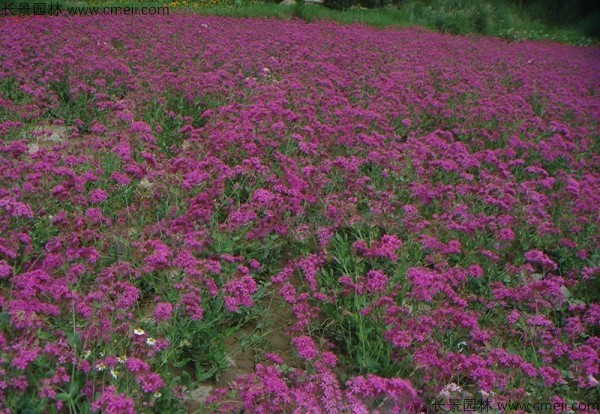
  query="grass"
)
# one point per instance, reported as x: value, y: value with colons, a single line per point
x: 501, y: 19
x: 504, y: 19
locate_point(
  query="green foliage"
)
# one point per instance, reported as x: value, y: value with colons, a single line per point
x: 75, y: 108
x: 371, y: 4
x: 505, y: 18
x: 338, y: 4
x: 172, y: 113
x: 198, y: 343
x: 299, y: 11
x: 9, y: 88
x: 559, y: 11
x: 590, y: 25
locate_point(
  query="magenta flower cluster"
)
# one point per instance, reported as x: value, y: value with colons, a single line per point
x: 424, y: 205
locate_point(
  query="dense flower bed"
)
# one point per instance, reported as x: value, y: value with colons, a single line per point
x: 424, y: 205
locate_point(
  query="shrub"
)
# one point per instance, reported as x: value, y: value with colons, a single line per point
x: 371, y: 4
x: 338, y: 4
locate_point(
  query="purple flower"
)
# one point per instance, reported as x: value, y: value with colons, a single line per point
x: 539, y: 257
x: 5, y: 269
x: 98, y: 196
x: 140, y: 127
x: 162, y: 312
x: 376, y: 281
x: 15, y: 208
x: 110, y: 402
x: 25, y: 357
x: 306, y: 347
x: 136, y: 365
x: 150, y: 382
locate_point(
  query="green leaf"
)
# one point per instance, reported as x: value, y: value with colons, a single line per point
x: 74, y: 389
x: 44, y: 335
x: 4, y: 317
x: 181, y: 363
x: 74, y: 339
x: 186, y: 380
x: 202, y: 375
x: 62, y: 396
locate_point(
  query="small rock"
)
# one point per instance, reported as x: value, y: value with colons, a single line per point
x: 288, y: 2
x: 33, y: 148
x: 133, y: 232
x: 197, y: 397
x: 145, y: 183
x: 57, y: 133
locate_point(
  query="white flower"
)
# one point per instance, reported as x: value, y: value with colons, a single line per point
x: 86, y: 354
x: 485, y: 394
x: 113, y: 373
x: 138, y: 332
x: 151, y: 341
x: 450, y: 389
x: 157, y: 394
x: 100, y: 367
x: 122, y: 359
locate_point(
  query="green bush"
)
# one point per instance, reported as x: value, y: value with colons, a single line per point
x: 590, y: 26
x: 482, y: 19
x: 372, y: 4
x: 338, y: 4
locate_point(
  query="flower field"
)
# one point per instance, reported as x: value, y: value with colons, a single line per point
x: 377, y: 220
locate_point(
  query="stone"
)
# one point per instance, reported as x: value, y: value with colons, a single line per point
x: 32, y: 148
x: 146, y: 184
x: 51, y: 133
x: 197, y: 398
x: 287, y: 2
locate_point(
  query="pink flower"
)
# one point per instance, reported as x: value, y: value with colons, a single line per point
x: 551, y: 376
x: 98, y: 196
x: 513, y: 317
x: 112, y: 403
x: 25, y: 357
x: 15, y: 208
x: 150, y: 382
x: 263, y: 196
x: 506, y: 234
x: 136, y: 365
x: 475, y: 271
x: 239, y: 293
x: 539, y: 257
x: 376, y: 281
x: 140, y: 127
x: 5, y: 269
x: 162, y: 312
x: 120, y: 178
x: 274, y: 358
x: 306, y: 347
